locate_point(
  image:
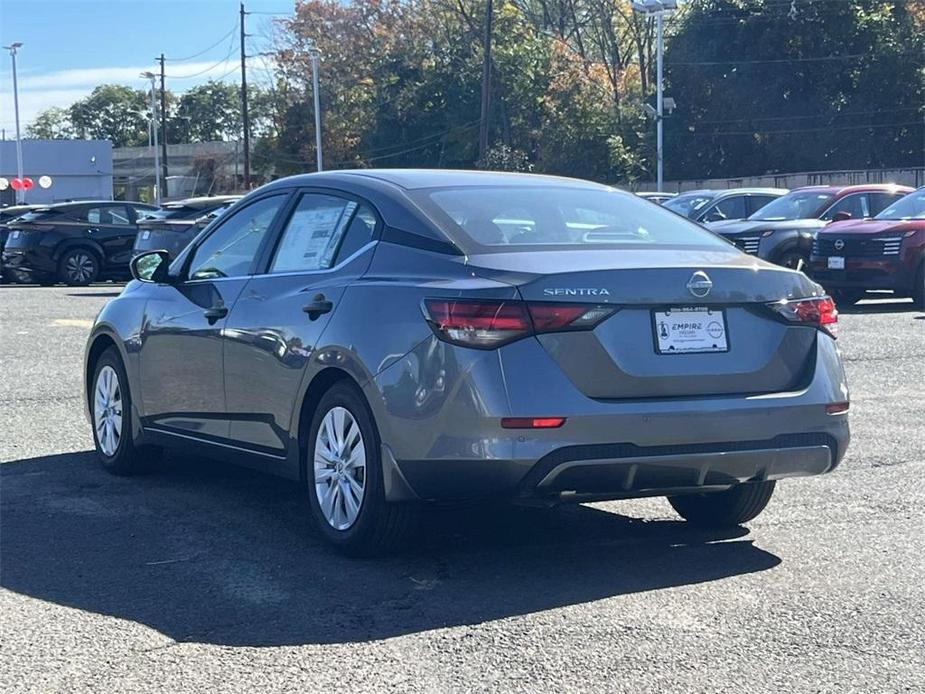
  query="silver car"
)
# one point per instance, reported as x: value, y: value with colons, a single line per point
x: 395, y: 337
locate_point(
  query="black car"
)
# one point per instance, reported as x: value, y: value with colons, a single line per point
x: 172, y: 227
x: 74, y: 242
x: 7, y: 215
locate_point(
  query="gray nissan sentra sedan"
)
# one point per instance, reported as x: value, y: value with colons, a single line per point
x: 395, y: 337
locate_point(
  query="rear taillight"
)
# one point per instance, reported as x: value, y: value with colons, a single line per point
x: 818, y: 312
x: 489, y: 323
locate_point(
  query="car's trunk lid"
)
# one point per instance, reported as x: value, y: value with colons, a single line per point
x: 623, y: 357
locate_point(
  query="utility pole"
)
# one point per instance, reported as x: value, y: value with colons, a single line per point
x: 163, y: 132
x: 152, y: 136
x: 486, y: 83
x: 21, y: 192
x: 315, y: 54
x: 245, y: 120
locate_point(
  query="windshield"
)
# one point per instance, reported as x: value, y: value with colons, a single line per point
x: 507, y: 218
x: 688, y: 204
x: 796, y: 205
x: 910, y: 207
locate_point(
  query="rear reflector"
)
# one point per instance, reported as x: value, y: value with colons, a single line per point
x: 837, y: 407
x: 491, y: 323
x: 532, y: 422
x: 818, y: 312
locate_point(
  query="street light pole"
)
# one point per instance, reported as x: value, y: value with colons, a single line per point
x: 657, y: 9
x: 21, y: 193
x: 659, y: 51
x: 315, y: 54
x: 157, y: 158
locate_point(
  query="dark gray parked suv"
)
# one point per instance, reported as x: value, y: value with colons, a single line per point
x: 395, y: 337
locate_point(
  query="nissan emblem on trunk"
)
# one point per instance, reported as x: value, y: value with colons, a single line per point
x: 699, y: 284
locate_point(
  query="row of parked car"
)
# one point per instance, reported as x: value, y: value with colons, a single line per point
x: 850, y: 239
x: 77, y: 243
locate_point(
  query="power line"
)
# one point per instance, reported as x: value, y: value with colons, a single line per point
x: 205, y: 50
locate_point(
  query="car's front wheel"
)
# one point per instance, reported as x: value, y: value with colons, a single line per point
x: 110, y: 412
x: 795, y: 260
x: 78, y: 267
x: 735, y: 506
x: 344, y: 471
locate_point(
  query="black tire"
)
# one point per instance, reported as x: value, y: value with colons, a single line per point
x: 732, y: 507
x: 78, y: 267
x: 128, y: 458
x: 918, y: 292
x: 847, y: 297
x: 380, y: 526
x: 795, y: 260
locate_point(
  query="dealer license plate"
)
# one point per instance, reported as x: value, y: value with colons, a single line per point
x: 690, y: 330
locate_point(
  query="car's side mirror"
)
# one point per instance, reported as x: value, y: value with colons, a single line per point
x: 841, y: 216
x: 151, y: 266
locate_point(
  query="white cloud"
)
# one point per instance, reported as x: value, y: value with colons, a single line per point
x: 38, y: 92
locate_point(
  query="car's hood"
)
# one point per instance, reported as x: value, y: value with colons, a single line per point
x: 873, y: 226
x: 750, y: 226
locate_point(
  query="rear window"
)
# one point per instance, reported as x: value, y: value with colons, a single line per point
x: 507, y: 218
x: 795, y: 205
x: 40, y: 213
x: 178, y: 212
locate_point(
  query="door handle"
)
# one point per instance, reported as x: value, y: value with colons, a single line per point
x: 215, y: 313
x: 317, y: 307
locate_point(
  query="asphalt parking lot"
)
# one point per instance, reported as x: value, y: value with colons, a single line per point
x: 202, y: 577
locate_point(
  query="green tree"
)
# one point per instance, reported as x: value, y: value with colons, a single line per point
x: 764, y: 86
x: 51, y: 124
x: 212, y: 111
x: 112, y: 112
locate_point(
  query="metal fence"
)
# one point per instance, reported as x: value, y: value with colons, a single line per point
x: 914, y: 176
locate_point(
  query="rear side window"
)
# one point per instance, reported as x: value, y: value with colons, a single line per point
x: 510, y: 218
x: 756, y: 202
x: 313, y: 234
x: 110, y: 214
x: 359, y: 232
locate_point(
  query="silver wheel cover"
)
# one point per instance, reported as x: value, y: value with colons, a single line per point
x: 79, y: 267
x: 340, y: 468
x: 107, y: 410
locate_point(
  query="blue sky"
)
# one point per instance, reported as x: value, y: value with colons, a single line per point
x: 73, y: 45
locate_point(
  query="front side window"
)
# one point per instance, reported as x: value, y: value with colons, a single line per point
x: 732, y: 207
x: 796, y: 205
x: 313, y: 233
x: 113, y: 214
x: 855, y: 205
x: 231, y: 249
x: 509, y: 218
x: 757, y: 202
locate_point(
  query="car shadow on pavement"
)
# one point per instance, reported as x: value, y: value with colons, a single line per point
x: 881, y: 306
x: 206, y: 552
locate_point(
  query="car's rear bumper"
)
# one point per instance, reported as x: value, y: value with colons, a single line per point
x: 28, y: 261
x: 863, y: 273
x: 457, y: 448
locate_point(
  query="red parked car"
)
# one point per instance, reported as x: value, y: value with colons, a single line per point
x: 886, y: 252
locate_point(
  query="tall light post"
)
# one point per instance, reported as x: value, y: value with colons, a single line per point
x: 657, y: 9
x: 21, y: 191
x: 157, y: 157
x: 315, y: 55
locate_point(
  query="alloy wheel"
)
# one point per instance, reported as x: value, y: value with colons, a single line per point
x: 79, y: 267
x: 107, y: 411
x: 340, y: 468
